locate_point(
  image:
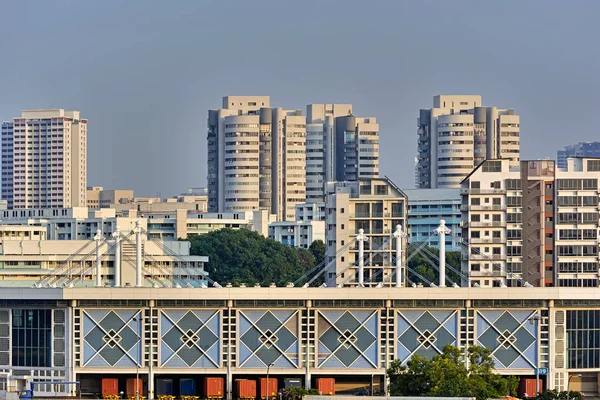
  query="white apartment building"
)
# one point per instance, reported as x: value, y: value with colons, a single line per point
x: 457, y: 134
x: 82, y: 223
x: 44, y: 159
x: 533, y: 224
x: 256, y: 157
x: 297, y: 233
x: 310, y: 212
x: 320, y: 147
x: 308, y: 227
x: 376, y: 206
x: 26, y: 260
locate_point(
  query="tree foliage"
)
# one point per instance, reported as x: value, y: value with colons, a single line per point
x: 240, y: 255
x: 447, y: 375
x: 317, y: 249
x: 420, y: 264
x: 556, y: 395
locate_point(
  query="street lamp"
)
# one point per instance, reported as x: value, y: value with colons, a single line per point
x: 537, y: 317
x: 268, y: 367
x: 138, y: 361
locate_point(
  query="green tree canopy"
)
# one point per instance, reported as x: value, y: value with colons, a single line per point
x: 447, y: 375
x: 317, y: 249
x: 419, y: 263
x: 240, y: 255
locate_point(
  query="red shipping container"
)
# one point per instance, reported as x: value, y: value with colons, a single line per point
x: 528, y: 386
x: 326, y: 386
x: 110, y: 386
x: 132, y: 390
x: 272, y: 387
x: 245, y: 388
x: 213, y: 388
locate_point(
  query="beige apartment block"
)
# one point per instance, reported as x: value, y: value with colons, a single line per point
x: 98, y: 197
x: 256, y: 157
x: 376, y: 206
x: 531, y: 225
x: 44, y: 159
x: 457, y: 134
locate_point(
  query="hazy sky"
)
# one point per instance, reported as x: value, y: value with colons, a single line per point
x: 145, y: 73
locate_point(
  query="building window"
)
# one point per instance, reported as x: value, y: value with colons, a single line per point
x: 593, y: 165
x: 492, y: 166
x: 583, y: 338
x: 31, y: 338
x: 475, y: 185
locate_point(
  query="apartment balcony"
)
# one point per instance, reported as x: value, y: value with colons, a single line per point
x: 487, y: 274
x: 487, y: 224
x: 482, y: 191
x: 482, y: 208
x: 486, y: 241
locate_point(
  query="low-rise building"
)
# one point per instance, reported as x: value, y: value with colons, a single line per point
x: 148, y: 205
x: 82, y: 223
x: 28, y: 259
x: 374, y: 206
x: 98, y: 197
x: 426, y: 207
x: 297, y: 233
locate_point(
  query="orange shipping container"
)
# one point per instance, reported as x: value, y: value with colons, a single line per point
x: 272, y: 387
x: 213, y: 388
x: 132, y: 390
x: 110, y: 386
x: 527, y: 386
x: 245, y: 389
x: 326, y: 386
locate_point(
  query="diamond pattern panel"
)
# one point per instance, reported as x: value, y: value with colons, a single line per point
x: 190, y: 338
x: 268, y: 337
x: 425, y: 333
x: 507, y: 334
x: 347, y: 340
x: 111, y: 338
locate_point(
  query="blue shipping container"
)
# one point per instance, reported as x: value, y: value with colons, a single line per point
x: 187, y: 387
x: 164, y: 387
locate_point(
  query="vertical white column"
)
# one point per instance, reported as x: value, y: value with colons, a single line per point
x: 361, y: 238
x: 138, y: 254
x: 98, y: 238
x: 117, y: 236
x: 442, y: 231
x: 399, y: 235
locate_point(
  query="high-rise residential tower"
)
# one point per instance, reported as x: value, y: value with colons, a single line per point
x: 457, y: 134
x: 581, y: 149
x: 340, y: 147
x: 256, y: 157
x: 320, y: 144
x: 44, y: 159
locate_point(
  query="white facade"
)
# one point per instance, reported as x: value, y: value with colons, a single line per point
x: 297, y: 233
x: 44, y: 159
x: 27, y: 261
x: 256, y: 157
x: 457, y: 134
x: 82, y: 223
x: 320, y: 147
x: 310, y: 212
x: 535, y: 224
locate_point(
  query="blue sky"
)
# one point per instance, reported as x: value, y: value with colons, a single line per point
x: 145, y: 72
